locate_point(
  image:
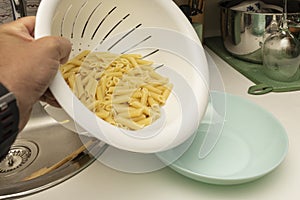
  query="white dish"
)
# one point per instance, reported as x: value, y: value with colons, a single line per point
x: 252, y: 144
x: 179, y: 50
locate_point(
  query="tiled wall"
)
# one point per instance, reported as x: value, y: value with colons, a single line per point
x: 32, y: 6
x: 6, y: 11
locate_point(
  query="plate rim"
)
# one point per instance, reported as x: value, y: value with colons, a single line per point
x: 218, y: 180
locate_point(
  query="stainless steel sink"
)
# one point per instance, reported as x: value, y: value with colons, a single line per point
x: 44, y: 143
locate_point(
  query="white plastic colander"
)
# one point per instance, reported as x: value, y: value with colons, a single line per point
x: 154, y: 28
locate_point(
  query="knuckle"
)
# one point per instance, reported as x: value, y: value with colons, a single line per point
x: 59, y: 45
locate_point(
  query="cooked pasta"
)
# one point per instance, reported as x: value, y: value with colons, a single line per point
x: 123, y: 90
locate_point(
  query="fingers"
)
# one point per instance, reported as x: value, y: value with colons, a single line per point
x: 29, y: 23
x: 60, y: 44
x: 23, y: 28
x: 64, y: 49
x: 48, y: 97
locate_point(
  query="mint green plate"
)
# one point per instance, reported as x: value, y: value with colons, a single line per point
x: 252, y: 144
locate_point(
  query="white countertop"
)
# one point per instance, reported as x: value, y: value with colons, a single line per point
x: 101, y: 182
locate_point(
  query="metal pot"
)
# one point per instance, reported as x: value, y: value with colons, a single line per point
x: 243, y: 31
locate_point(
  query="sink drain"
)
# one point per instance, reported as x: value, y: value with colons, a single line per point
x: 15, y: 159
x: 20, y: 156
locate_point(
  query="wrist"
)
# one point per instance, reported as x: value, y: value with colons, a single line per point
x: 23, y: 103
x: 9, y: 120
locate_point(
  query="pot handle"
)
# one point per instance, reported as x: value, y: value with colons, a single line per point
x: 260, y: 89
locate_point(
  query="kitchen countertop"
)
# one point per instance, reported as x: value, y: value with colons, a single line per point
x: 101, y: 182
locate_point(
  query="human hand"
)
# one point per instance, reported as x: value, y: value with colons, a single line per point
x: 27, y: 65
